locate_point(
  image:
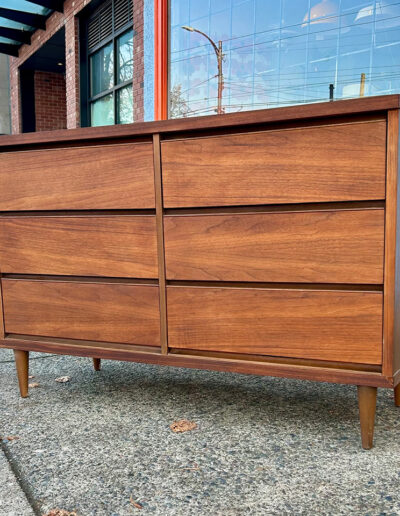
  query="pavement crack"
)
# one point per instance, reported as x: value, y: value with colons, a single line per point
x: 30, y: 358
x: 20, y: 479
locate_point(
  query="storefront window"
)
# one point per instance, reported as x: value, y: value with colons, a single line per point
x: 280, y: 52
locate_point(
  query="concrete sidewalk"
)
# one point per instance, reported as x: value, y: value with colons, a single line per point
x: 262, y: 446
x: 13, y: 501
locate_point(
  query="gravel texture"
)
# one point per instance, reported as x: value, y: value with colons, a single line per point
x: 262, y: 445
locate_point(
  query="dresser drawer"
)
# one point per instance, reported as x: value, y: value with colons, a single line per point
x: 78, y: 178
x: 323, y: 325
x: 318, y: 247
x: 338, y: 162
x: 108, y: 312
x: 115, y: 246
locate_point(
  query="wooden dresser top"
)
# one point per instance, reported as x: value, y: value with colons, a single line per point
x: 263, y: 116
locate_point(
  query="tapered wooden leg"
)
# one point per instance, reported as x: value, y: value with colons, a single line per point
x: 367, y: 406
x: 97, y: 364
x: 22, y: 365
x: 397, y: 395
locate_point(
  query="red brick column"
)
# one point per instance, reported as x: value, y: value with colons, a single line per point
x: 15, y: 100
x: 72, y: 72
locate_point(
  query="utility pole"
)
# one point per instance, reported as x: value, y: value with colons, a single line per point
x: 220, y: 57
x: 362, y: 85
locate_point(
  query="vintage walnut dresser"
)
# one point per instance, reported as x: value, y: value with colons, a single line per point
x: 260, y: 242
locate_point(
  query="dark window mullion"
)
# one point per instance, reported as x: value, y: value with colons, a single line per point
x: 115, y: 79
x: 115, y: 61
x: 101, y: 95
x: 88, y: 79
x: 110, y: 90
x: 123, y: 84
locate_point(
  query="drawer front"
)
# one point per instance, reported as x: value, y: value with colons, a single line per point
x: 336, y: 325
x: 115, y: 246
x: 315, y: 164
x: 89, y: 311
x: 78, y: 178
x: 318, y: 247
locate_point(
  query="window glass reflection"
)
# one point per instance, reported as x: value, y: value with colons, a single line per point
x: 102, y: 111
x: 125, y: 57
x: 102, y: 70
x: 125, y: 105
x: 281, y: 52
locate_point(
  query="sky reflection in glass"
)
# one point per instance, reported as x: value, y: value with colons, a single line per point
x: 281, y: 52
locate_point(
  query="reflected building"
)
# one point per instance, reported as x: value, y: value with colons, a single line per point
x: 282, y: 52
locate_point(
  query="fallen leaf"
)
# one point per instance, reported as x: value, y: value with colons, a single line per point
x: 63, y: 379
x: 30, y: 377
x: 60, y: 512
x: 33, y: 385
x: 9, y: 438
x: 135, y: 504
x: 182, y: 425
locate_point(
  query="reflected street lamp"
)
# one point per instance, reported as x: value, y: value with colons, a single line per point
x: 220, y: 55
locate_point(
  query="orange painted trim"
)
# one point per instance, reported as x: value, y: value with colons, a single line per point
x: 160, y: 59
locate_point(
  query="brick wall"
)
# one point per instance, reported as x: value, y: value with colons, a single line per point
x: 50, y: 101
x: 68, y: 19
x: 72, y: 61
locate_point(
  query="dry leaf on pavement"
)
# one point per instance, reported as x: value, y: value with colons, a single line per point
x: 182, y: 426
x: 135, y: 504
x: 60, y: 512
x: 63, y: 379
x: 33, y: 385
x: 9, y: 438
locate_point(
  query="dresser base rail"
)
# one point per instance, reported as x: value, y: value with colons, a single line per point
x: 146, y: 354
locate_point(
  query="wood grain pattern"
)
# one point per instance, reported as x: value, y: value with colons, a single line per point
x: 318, y: 247
x: 90, y: 311
x: 107, y: 351
x: 315, y: 164
x: 160, y: 243
x: 367, y: 407
x: 397, y: 395
x: 115, y: 246
x: 391, y: 332
x: 339, y: 326
x: 390, y: 244
x: 22, y: 366
x: 326, y: 364
x: 91, y: 177
x: 279, y: 331
x: 378, y: 104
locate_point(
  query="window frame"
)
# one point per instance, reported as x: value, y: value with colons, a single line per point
x: 86, y: 98
x: 161, y: 58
